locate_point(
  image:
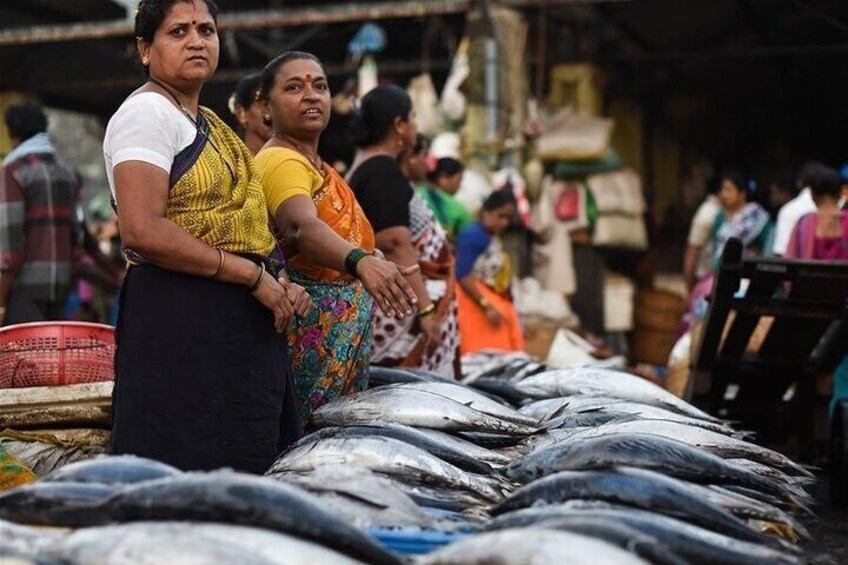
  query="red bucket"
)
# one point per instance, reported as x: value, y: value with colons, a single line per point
x: 56, y: 353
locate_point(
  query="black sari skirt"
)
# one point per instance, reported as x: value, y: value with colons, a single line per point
x: 202, y: 380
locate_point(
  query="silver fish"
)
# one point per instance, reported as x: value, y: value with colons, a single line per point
x: 698, y: 545
x: 237, y: 498
x: 546, y: 408
x: 621, y: 535
x: 644, y: 451
x: 750, y: 509
x: 112, y: 470
x: 154, y: 543
x: 604, y: 382
x: 721, y: 445
x: 643, y: 411
x: 25, y: 540
x: 380, y: 376
x: 56, y: 504
x: 633, y: 487
x: 413, y: 408
x: 530, y: 546
x: 471, y: 398
x: 445, y: 449
x: 488, y: 456
x: 362, y: 498
x: 386, y: 456
x: 772, y: 473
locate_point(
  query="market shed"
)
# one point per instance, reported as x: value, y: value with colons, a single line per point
x: 754, y: 83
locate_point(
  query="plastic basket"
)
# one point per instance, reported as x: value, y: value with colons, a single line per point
x: 414, y: 542
x: 56, y: 353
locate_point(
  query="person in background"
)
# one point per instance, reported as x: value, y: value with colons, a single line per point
x: 326, y: 239
x: 253, y: 128
x: 445, y: 180
x: 38, y: 224
x: 405, y: 346
x: 781, y: 190
x: 823, y: 236
x: 696, y: 261
x: 792, y: 211
x: 740, y: 218
x: 202, y: 377
x: 384, y: 129
x: 487, y: 317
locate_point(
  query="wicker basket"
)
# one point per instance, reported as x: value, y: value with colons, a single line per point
x: 652, y: 346
x: 659, y: 310
x: 56, y: 353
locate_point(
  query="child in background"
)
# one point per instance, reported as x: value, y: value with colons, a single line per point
x: 445, y: 180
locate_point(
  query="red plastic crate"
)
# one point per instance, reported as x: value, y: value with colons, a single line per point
x: 56, y: 353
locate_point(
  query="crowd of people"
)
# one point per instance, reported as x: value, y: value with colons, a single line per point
x: 261, y: 283
x: 231, y: 240
x: 811, y: 223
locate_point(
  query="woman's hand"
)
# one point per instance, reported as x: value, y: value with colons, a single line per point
x: 300, y: 300
x: 386, y: 282
x: 432, y: 330
x: 273, y: 296
x: 493, y: 316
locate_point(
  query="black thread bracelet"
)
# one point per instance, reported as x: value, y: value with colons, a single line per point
x: 352, y: 260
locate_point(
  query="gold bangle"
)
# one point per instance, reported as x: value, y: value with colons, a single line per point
x: 220, y: 265
x: 428, y: 311
x: 258, y: 280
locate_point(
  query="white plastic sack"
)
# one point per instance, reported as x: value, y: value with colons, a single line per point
x: 453, y: 102
x: 475, y: 188
x: 619, y: 295
x: 532, y: 301
x: 620, y: 231
x: 619, y: 192
x: 566, y: 352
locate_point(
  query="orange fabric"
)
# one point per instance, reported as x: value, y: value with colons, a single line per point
x: 475, y: 331
x: 337, y: 207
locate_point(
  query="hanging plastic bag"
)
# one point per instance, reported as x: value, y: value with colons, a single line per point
x: 368, y: 76
x: 426, y: 104
x: 453, y: 102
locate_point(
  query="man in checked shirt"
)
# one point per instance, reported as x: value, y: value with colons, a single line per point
x: 38, y: 226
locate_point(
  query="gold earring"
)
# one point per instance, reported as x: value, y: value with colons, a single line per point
x: 267, y: 117
x: 145, y: 61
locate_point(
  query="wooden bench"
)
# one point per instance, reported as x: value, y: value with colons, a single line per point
x: 771, y: 384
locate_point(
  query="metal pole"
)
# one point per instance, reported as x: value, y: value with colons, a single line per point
x: 541, y: 50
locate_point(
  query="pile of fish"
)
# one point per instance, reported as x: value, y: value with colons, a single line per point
x: 519, y: 464
x: 585, y: 464
x: 129, y: 510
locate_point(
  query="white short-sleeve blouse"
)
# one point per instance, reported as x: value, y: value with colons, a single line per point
x: 147, y: 127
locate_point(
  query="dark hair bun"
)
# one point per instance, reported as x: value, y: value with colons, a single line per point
x: 377, y: 114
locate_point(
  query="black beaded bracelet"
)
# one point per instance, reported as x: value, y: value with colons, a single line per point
x: 352, y: 260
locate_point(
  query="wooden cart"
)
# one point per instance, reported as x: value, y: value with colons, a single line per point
x: 762, y: 350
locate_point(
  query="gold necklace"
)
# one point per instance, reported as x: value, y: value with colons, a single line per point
x: 314, y: 160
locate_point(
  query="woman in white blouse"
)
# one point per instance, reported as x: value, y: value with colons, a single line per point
x: 202, y: 378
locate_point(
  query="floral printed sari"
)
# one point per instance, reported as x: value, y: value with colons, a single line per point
x: 331, y: 348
